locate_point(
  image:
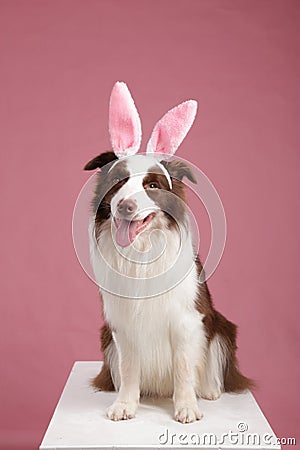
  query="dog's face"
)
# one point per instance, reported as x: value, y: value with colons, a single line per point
x: 138, y: 194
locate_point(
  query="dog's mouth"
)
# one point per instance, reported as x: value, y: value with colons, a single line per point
x: 127, y: 230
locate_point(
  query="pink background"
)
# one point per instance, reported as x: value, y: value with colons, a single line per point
x: 59, y: 60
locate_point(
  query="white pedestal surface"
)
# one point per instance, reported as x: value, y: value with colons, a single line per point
x: 234, y: 421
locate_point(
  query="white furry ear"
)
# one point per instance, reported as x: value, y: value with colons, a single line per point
x: 171, y: 129
x: 124, y: 122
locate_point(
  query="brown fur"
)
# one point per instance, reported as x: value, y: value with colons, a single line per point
x: 100, y: 161
x: 107, y: 185
x: 216, y: 323
x: 172, y: 205
x: 103, y: 381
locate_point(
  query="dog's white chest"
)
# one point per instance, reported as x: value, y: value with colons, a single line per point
x: 152, y: 328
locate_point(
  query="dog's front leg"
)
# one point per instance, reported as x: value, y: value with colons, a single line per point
x: 128, y: 398
x: 184, y: 397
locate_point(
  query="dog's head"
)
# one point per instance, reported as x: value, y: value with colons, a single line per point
x: 137, y: 193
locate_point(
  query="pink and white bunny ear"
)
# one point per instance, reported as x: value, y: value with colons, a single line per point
x: 124, y: 122
x: 171, y: 129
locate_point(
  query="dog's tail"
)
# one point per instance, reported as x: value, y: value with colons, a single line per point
x: 103, y: 381
x: 234, y: 380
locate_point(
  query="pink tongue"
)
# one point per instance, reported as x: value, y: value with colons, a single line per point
x: 126, y: 232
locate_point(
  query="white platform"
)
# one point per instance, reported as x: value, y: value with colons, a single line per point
x: 79, y: 421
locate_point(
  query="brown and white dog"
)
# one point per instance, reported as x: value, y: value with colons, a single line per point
x: 161, y: 336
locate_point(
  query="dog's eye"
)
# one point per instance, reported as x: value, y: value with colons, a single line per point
x: 116, y: 180
x: 152, y: 186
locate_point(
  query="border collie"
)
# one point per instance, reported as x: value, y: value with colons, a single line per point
x: 161, y: 335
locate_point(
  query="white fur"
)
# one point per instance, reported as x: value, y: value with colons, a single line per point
x: 212, y: 378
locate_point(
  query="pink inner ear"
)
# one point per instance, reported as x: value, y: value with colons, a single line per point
x: 124, y: 122
x: 170, y: 131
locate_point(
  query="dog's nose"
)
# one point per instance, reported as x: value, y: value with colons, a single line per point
x: 126, y: 207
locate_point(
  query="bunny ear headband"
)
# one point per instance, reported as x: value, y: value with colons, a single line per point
x: 126, y: 132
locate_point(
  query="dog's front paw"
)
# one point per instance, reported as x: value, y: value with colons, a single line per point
x: 122, y: 410
x: 187, y: 413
